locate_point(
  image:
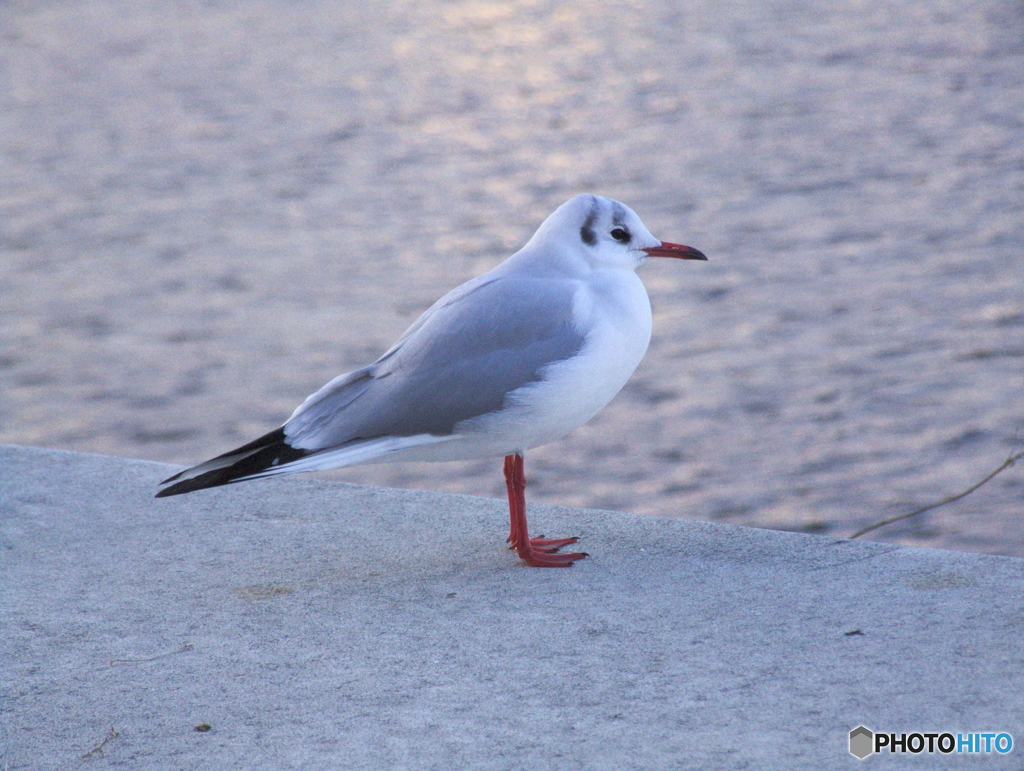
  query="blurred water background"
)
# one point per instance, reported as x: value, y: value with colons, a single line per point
x: 210, y: 209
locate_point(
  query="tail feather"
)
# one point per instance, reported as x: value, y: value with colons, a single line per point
x: 268, y: 451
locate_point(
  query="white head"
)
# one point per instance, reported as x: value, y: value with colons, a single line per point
x: 605, y: 233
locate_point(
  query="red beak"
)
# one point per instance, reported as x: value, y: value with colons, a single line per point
x: 678, y: 251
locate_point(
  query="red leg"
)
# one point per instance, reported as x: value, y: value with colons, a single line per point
x: 538, y: 552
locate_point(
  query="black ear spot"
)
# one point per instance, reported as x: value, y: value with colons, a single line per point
x: 588, y: 235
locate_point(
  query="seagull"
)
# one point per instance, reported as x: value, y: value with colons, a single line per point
x: 512, y: 359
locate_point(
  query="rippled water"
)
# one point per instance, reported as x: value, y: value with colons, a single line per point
x: 208, y: 214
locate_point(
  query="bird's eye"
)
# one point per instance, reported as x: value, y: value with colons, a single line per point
x: 621, y: 235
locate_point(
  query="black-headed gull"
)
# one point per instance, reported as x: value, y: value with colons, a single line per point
x: 510, y: 360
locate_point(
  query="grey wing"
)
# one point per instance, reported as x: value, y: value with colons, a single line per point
x: 457, y: 361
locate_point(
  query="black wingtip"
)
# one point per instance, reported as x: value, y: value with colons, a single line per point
x: 177, y: 489
x: 259, y: 455
x: 201, y: 482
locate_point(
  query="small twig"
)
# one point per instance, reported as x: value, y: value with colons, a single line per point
x: 98, y: 749
x: 1006, y: 464
x: 182, y: 649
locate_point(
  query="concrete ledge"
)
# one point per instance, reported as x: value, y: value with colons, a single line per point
x: 319, y: 625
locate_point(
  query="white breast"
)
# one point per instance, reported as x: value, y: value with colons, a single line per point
x: 614, y: 314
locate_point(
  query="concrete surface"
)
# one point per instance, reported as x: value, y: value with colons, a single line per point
x: 323, y: 625
x: 209, y: 209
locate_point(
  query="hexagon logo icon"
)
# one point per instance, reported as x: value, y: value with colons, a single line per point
x: 862, y: 741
